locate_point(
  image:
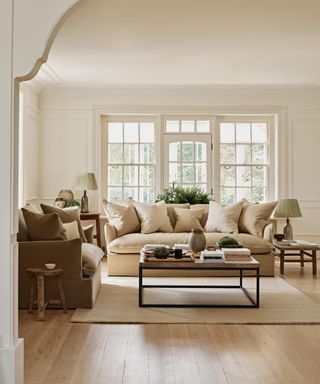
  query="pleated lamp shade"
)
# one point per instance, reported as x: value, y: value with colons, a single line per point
x: 287, y: 208
x: 86, y: 181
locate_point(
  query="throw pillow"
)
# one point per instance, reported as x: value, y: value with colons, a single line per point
x: 153, y: 217
x: 171, y: 213
x: 223, y: 219
x: 123, y: 217
x: 254, y: 217
x: 72, y: 231
x: 66, y: 216
x: 43, y: 227
x: 188, y: 219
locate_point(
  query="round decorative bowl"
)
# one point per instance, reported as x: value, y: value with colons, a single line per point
x: 50, y: 266
x: 279, y: 236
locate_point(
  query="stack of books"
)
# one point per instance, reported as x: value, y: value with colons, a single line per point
x: 212, y: 256
x: 237, y: 254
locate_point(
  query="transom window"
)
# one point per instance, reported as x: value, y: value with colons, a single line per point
x: 131, y: 160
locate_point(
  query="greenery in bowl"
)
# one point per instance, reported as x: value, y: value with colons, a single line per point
x: 161, y: 253
x: 227, y: 241
x: 179, y: 195
x: 72, y: 203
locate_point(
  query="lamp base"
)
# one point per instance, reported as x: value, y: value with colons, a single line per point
x: 287, y: 231
x: 84, y: 203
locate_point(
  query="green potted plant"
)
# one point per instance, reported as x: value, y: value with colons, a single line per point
x: 179, y: 195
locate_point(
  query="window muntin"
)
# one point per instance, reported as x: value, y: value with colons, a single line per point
x: 131, y: 160
x: 187, y: 125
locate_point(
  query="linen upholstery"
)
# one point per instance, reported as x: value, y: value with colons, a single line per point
x: 43, y: 227
x: 254, y: 217
x: 153, y: 217
x: 66, y: 215
x: 72, y: 231
x: 123, y: 217
x: 205, y: 208
x: 188, y: 219
x: 223, y: 218
x: 91, y: 257
x: 172, y: 214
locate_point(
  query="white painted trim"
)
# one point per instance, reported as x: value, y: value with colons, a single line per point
x: 12, y: 364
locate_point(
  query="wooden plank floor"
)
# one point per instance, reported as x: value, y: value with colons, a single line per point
x: 57, y: 351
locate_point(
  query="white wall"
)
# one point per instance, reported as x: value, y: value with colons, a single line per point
x: 74, y: 115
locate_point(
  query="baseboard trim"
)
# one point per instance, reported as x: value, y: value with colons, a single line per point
x: 11, y: 364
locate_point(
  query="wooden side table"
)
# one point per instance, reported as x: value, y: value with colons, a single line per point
x: 301, y: 250
x: 96, y: 217
x: 37, y: 277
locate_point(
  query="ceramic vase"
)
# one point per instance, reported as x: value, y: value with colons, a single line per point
x: 197, y: 241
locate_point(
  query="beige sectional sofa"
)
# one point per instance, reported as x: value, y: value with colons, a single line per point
x: 124, y: 251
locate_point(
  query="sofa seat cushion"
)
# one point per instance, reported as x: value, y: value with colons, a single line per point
x: 91, y: 257
x: 133, y: 242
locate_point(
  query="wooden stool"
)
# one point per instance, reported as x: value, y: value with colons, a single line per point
x: 37, y: 275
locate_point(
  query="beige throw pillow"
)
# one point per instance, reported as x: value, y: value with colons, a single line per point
x: 153, y: 217
x: 72, y: 231
x: 67, y: 216
x: 43, y: 227
x: 223, y: 219
x: 254, y: 217
x: 123, y: 217
x: 187, y: 219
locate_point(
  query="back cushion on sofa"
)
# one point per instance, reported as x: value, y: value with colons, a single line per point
x: 223, y: 218
x: 205, y: 208
x: 122, y: 216
x: 188, y: 219
x: 171, y: 213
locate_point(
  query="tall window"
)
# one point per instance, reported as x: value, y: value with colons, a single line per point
x: 131, y: 160
x: 244, y: 161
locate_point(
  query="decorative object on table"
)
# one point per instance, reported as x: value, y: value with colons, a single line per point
x: 161, y: 253
x: 197, y: 240
x: 179, y: 195
x: 228, y: 241
x: 287, y: 208
x: 72, y: 203
x: 278, y: 236
x: 86, y: 182
x: 66, y: 194
x: 60, y: 203
x: 50, y: 266
x: 178, y: 253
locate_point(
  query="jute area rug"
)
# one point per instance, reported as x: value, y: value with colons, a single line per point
x: 280, y: 303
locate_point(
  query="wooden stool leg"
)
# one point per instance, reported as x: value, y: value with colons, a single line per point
x: 301, y: 259
x: 40, y: 281
x: 314, y: 262
x: 61, y: 293
x: 282, y: 262
x: 31, y: 293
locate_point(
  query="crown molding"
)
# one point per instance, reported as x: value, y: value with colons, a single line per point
x: 45, y: 78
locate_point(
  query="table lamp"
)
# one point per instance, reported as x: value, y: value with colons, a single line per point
x: 87, y: 182
x: 287, y: 208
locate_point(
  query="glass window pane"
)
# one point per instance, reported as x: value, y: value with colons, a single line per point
x: 115, y: 194
x: 203, y: 125
x: 146, y: 195
x: 131, y: 153
x: 131, y: 132
x: 174, y: 173
x: 227, y: 154
x: 201, y: 173
x: 187, y: 151
x: 187, y: 126
x: 259, y: 133
x: 259, y: 195
x: 228, y: 176
x: 243, y: 193
x: 259, y: 154
x: 187, y: 173
x: 200, y: 151
x: 172, y: 125
x: 259, y: 177
x: 131, y: 175
x: 147, y: 153
x: 174, y: 151
x: 115, y: 133
x: 243, y: 133
x: 243, y: 176
x: 147, y: 132
x: 131, y: 192
x: 227, y: 132
x: 203, y: 187
x: 228, y: 196
x: 147, y: 175
x: 115, y: 153
x: 243, y: 153
x: 115, y: 175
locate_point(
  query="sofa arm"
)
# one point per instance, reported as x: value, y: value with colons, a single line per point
x: 88, y: 232
x: 269, y: 231
x: 66, y: 254
x: 110, y: 233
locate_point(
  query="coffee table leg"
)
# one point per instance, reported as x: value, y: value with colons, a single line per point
x: 314, y: 262
x: 301, y: 259
x: 281, y: 262
x: 140, y: 286
x: 258, y: 287
x: 240, y: 277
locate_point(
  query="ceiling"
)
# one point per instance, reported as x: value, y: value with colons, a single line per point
x: 188, y: 42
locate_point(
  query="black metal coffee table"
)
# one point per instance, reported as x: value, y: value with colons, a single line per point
x: 201, y: 266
